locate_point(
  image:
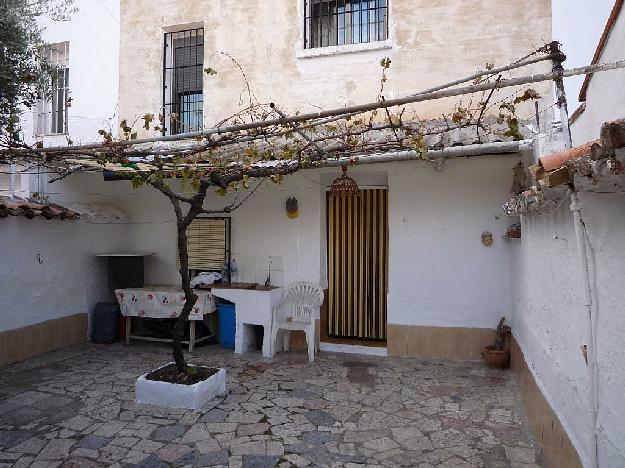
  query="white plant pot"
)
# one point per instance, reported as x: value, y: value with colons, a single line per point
x: 178, y: 395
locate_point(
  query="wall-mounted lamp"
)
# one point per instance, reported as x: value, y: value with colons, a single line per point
x: 292, y: 209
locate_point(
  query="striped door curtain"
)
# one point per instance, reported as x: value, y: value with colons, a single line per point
x: 358, y: 264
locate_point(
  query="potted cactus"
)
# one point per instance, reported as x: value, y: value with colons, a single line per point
x: 495, y: 355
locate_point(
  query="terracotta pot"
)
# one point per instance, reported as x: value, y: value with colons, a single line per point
x: 496, y: 359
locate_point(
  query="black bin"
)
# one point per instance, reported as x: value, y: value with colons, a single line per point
x: 105, y: 323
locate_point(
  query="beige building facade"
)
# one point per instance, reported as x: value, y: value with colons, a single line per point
x: 428, y: 42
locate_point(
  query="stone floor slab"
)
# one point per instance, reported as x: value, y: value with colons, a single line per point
x: 76, y: 408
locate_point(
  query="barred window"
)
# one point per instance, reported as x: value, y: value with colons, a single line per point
x: 339, y: 22
x: 183, y: 97
x: 52, y: 111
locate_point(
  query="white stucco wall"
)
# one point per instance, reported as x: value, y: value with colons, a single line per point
x: 549, y: 319
x: 48, y: 269
x: 550, y: 322
x: 260, y: 228
x: 605, y: 218
x: 439, y: 272
x: 605, y: 98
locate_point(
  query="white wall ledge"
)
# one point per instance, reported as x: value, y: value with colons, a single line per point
x: 329, y: 51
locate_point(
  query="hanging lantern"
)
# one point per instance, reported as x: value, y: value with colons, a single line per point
x: 344, y: 186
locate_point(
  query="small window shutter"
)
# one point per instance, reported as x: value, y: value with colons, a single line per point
x: 207, y: 239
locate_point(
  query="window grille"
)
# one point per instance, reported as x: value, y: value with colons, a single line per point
x: 183, y: 78
x: 208, y: 244
x: 340, y: 22
x: 52, y: 111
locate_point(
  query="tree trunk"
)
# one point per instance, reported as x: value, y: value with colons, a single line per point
x: 190, y: 297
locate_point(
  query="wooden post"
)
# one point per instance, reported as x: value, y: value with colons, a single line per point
x: 191, y: 335
x: 128, y: 322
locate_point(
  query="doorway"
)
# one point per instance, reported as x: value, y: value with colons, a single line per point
x: 357, y: 234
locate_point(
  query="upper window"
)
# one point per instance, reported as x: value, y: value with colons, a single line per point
x: 183, y: 97
x: 52, y: 111
x: 340, y: 22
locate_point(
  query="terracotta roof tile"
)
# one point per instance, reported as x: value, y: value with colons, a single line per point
x: 557, y: 160
x: 552, y: 169
x: 32, y: 208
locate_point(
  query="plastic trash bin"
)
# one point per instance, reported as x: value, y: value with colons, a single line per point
x: 227, y: 324
x: 105, y: 323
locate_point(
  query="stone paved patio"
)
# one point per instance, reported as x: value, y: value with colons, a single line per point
x: 75, y: 408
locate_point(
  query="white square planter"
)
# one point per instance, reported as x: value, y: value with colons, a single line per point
x: 178, y: 395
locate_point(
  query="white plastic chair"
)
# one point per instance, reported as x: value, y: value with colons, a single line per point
x: 297, y: 311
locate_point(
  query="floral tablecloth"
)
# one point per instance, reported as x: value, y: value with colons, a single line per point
x: 162, y: 303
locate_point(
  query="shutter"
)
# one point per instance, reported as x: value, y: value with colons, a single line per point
x: 207, y: 244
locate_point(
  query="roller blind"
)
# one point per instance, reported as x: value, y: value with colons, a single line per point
x: 207, y: 246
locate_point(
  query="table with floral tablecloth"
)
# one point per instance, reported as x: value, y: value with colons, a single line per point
x: 162, y: 302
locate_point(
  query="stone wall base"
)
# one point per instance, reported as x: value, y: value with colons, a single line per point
x: 33, y: 340
x: 556, y: 449
x: 451, y: 343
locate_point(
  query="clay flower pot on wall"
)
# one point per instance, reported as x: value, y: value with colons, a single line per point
x: 496, y: 359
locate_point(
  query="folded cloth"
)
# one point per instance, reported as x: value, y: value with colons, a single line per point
x: 205, y: 278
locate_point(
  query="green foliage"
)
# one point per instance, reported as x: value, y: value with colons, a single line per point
x: 147, y: 120
x: 190, y: 180
x: 385, y: 63
x: 514, y: 130
x: 210, y: 71
x: 460, y: 114
x: 127, y: 130
x: 528, y: 95
x: 419, y: 145
x: 507, y: 113
x: 276, y: 178
x: 25, y: 71
x: 137, y: 182
x: 108, y: 136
